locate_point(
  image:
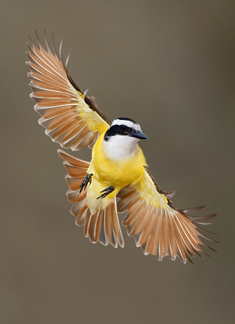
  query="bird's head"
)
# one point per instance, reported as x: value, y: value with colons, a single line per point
x: 122, y: 128
x: 120, y: 140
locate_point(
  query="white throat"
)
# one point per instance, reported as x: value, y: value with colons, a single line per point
x: 120, y: 147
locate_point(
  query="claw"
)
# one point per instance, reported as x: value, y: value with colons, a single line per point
x: 106, y: 192
x: 87, y: 180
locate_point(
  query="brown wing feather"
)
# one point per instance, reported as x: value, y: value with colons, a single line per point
x: 71, y: 119
x: 161, y: 229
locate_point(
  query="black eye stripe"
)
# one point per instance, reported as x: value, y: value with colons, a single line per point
x: 126, y: 128
x: 118, y: 130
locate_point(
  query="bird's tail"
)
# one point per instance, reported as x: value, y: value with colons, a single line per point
x: 103, y: 224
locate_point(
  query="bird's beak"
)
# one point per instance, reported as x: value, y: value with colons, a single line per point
x: 138, y: 134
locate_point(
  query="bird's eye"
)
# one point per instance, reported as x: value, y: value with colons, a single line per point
x: 125, y: 129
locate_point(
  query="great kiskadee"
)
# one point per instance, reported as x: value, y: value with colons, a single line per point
x: 117, y: 179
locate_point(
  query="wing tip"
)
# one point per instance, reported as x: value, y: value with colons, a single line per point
x: 48, y: 47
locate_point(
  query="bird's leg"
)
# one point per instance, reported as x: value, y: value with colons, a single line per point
x: 106, y: 192
x: 85, y: 182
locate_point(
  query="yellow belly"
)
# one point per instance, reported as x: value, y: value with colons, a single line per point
x: 107, y: 172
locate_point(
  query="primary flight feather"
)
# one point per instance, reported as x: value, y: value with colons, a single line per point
x: 117, y: 178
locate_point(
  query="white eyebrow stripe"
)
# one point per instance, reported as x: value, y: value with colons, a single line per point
x: 127, y: 123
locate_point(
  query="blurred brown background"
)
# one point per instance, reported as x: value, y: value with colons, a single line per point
x: 170, y: 66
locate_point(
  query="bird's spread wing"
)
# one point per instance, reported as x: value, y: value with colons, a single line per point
x: 103, y: 224
x: 69, y: 116
x: 156, y: 225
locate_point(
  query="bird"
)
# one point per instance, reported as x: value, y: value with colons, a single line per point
x: 117, y: 179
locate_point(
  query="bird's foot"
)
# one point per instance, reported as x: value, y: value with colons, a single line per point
x: 85, y: 182
x: 106, y: 192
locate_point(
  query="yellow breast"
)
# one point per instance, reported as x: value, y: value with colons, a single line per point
x: 117, y: 173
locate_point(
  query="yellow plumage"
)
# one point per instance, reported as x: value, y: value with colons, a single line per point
x: 117, y: 178
x: 116, y: 173
x: 107, y: 173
